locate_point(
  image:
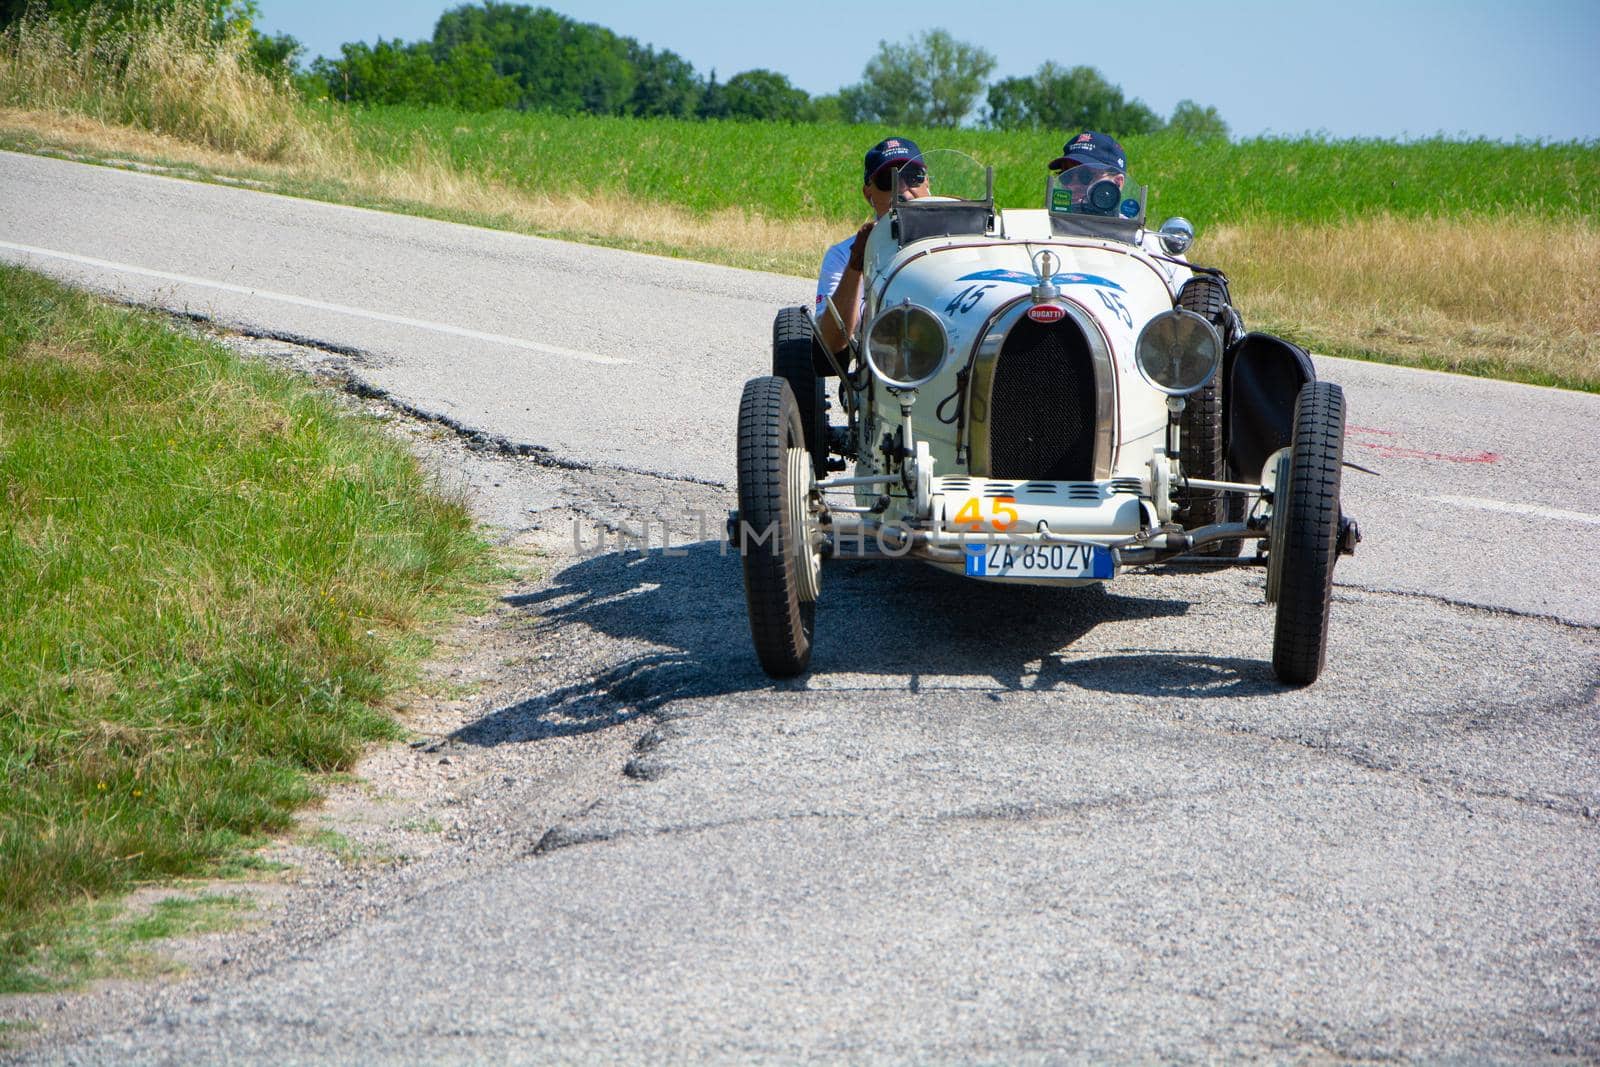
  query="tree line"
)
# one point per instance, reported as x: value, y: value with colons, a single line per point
x: 490, y: 55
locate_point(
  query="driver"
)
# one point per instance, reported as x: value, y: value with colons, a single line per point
x: 840, y: 277
x: 1101, y: 158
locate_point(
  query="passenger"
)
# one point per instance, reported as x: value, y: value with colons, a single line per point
x: 1094, y: 149
x: 1101, y: 158
x: 840, y: 277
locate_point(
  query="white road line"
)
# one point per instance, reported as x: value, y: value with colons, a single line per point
x: 1484, y: 504
x: 321, y: 305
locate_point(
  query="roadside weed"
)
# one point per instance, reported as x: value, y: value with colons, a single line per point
x: 211, y: 579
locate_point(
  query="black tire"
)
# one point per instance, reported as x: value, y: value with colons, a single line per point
x: 1200, y: 448
x: 793, y: 360
x: 1310, y: 541
x: 781, y: 612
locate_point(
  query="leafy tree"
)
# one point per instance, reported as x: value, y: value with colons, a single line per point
x: 1068, y: 99
x: 1197, y: 123
x: 1013, y: 104
x: 558, y: 63
x: 855, y: 104
x: 826, y: 108
x: 393, y: 72
x: 931, y: 80
x: 388, y: 72
x: 280, y: 52
x: 467, y: 80
x: 665, y: 83
x: 713, y: 104
x: 765, y: 94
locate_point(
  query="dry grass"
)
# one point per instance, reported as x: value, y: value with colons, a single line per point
x: 37, y: 129
x: 426, y: 179
x: 165, y: 74
x: 1482, y: 296
x: 426, y: 183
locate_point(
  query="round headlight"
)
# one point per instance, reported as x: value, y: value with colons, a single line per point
x: 1178, y: 352
x: 906, y: 346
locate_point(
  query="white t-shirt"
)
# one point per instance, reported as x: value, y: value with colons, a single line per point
x: 834, y: 261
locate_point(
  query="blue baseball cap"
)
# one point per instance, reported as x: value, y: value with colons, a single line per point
x: 1095, y: 149
x: 891, y: 151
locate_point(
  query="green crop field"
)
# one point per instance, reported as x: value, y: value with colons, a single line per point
x: 800, y: 171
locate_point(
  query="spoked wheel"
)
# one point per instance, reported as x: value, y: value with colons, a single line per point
x: 781, y: 554
x: 1200, y: 451
x: 1305, y: 534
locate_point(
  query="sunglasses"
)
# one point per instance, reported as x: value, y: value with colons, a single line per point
x: 1083, y: 173
x: 911, y: 176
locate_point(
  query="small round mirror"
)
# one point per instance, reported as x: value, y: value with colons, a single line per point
x: 1177, y: 234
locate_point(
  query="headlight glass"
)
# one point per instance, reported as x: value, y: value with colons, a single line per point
x: 1178, y: 352
x: 1177, y: 234
x: 906, y: 346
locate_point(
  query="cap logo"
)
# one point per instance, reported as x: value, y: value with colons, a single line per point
x: 1085, y: 137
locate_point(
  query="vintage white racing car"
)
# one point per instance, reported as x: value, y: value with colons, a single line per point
x: 1044, y: 396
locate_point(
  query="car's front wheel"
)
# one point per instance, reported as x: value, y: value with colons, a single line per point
x: 776, y: 534
x: 1308, y: 539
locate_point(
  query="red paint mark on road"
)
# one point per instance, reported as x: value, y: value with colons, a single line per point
x: 1396, y: 452
x: 1391, y: 451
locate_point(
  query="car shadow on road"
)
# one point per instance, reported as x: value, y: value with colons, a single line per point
x: 682, y: 620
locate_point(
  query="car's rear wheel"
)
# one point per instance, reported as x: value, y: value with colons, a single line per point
x: 1200, y: 449
x: 793, y: 360
x: 781, y: 557
x: 1308, y: 540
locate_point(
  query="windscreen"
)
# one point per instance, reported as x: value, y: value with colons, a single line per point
x: 946, y: 175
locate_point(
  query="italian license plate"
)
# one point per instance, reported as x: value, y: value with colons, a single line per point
x: 1039, y: 561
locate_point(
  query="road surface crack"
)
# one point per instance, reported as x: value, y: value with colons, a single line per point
x: 1469, y: 605
x: 476, y: 439
x: 560, y: 837
x: 1572, y: 806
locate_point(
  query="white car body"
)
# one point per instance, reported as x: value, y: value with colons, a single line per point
x: 1107, y: 289
x: 1017, y: 395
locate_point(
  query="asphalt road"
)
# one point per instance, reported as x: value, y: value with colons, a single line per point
x: 993, y: 824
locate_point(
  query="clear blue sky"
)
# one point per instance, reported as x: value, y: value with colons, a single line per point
x: 1348, y: 68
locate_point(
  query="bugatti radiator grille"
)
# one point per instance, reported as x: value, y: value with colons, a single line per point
x: 1042, y: 422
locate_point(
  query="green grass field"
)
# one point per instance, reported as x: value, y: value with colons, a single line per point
x: 211, y: 577
x: 788, y: 171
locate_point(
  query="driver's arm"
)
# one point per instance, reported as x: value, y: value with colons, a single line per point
x: 846, y: 297
x: 847, y: 301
